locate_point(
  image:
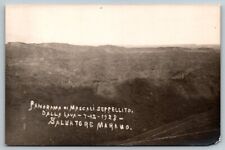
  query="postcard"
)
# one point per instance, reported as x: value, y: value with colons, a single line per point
x: 112, y: 75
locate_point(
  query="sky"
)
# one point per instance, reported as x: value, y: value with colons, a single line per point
x: 126, y: 25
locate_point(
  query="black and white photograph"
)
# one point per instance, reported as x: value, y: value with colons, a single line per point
x: 112, y: 75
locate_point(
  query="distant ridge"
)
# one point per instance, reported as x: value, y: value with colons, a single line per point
x: 216, y: 46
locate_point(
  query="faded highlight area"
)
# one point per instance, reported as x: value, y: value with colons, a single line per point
x: 124, y: 25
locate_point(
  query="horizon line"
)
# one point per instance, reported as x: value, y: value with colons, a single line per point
x: 125, y: 45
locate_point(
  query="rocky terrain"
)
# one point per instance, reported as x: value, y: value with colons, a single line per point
x: 174, y: 91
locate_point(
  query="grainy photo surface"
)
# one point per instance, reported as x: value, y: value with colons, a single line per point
x: 112, y: 75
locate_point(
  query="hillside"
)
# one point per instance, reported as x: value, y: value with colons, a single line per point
x: 163, y: 85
